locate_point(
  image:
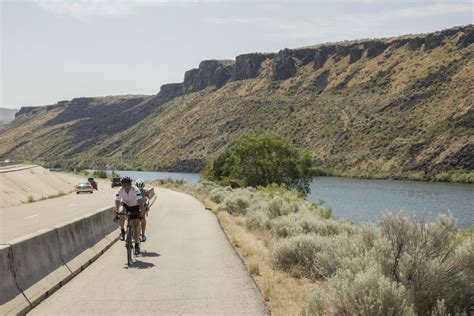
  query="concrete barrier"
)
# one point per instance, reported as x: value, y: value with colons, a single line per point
x: 82, y: 240
x: 39, y: 269
x: 12, y: 301
x: 34, y: 266
x: 99, y: 227
x: 73, y: 245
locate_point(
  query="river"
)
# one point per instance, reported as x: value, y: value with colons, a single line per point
x: 362, y: 200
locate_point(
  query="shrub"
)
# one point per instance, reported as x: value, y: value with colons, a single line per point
x: 420, y: 258
x: 318, y: 302
x: 204, y: 187
x: 461, y: 298
x: 341, y: 251
x: 218, y: 195
x: 325, y: 212
x: 256, y: 220
x: 312, y: 224
x: 307, y: 222
x: 368, y: 292
x: 440, y: 309
x: 281, y: 190
x: 168, y: 180
x: 180, y: 181
x: 324, y: 255
x: 286, y: 226
x: 296, y: 255
x: 100, y: 174
x: 235, y: 204
x: 256, y: 160
x: 278, y: 206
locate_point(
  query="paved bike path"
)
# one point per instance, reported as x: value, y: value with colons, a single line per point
x: 187, y: 267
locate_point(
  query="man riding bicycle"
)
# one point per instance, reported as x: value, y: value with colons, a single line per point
x: 140, y: 184
x: 130, y: 198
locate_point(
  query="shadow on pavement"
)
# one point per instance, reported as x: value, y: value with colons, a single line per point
x: 149, y: 254
x: 140, y: 265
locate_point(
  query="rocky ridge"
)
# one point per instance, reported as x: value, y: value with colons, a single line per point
x: 380, y: 97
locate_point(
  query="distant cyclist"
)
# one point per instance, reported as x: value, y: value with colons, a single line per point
x: 140, y: 184
x: 130, y: 198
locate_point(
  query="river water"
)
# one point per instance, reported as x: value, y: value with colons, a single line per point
x: 362, y: 200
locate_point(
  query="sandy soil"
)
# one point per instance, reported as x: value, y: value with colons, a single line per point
x: 17, y: 184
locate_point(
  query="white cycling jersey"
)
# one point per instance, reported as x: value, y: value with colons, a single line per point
x: 131, y: 198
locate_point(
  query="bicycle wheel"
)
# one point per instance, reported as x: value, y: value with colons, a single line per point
x: 129, y: 245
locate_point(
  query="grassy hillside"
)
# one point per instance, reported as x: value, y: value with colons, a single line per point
x: 398, y: 107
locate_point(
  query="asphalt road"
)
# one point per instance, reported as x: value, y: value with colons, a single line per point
x: 20, y: 220
x: 187, y: 267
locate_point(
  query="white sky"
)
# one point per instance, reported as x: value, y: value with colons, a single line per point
x: 59, y: 50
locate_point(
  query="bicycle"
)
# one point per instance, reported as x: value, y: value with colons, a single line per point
x: 128, y: 238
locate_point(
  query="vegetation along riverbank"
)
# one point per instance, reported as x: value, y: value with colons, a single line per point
x: 305, y: 261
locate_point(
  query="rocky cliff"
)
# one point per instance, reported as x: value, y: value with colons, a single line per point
x: 388, y: 107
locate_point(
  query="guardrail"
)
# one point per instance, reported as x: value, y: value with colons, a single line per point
x: 34, y: 266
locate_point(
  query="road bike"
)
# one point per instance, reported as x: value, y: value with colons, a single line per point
x: 129, y: 245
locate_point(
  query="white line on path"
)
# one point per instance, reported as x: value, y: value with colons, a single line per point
x: 31, y: 216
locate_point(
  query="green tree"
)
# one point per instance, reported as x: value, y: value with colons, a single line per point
x: 262, y: 160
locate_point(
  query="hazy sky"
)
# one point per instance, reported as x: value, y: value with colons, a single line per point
x: 58, y: 50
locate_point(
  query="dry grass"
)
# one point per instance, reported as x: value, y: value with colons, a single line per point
x: 284, y: 294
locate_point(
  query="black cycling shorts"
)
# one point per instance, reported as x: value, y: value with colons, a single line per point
x: 134, y: 211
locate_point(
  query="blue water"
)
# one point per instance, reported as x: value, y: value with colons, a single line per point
x: 153, y: 175
x: 362, y: 200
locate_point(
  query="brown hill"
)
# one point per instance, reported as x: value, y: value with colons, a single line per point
x: 400, y: 107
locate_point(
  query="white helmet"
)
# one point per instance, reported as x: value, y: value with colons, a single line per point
x: 140, y: 183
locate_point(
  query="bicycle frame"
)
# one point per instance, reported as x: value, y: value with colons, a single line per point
x: 128, y: 237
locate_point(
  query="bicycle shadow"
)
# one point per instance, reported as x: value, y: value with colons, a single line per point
x: 137, y: 264
x: 145, y: 253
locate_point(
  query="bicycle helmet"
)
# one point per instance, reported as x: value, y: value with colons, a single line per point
x: 125, y: 179
x: 140, y: 183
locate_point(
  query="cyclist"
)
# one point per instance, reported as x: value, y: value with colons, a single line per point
x: 140, y: 184
x: 130, y: 198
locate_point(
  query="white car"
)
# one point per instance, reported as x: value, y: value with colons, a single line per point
x: 84, y: 187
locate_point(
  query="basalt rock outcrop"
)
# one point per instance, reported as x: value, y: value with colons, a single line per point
x: 210, y: 73
x: 283, y: 65
x: 171, y: 91
x: 216, y: 73
x: 467, y: 38
x: 248, y: 65
x: 26, y: 109
x: 304, y: 55
x: 433, y: 40
x: 374, y: 48
x: 322, y: 54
